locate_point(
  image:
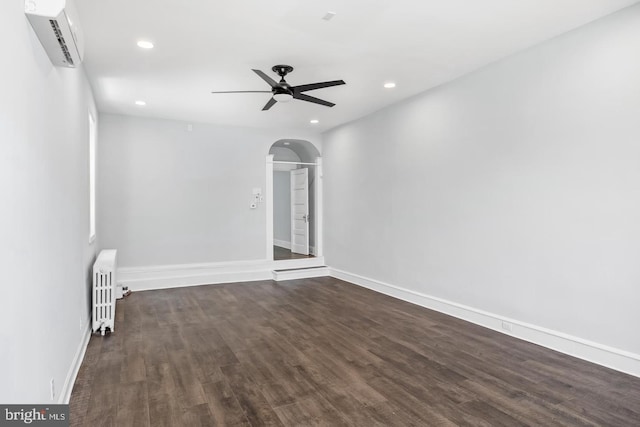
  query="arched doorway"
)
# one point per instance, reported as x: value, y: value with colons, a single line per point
x: 294, y: 211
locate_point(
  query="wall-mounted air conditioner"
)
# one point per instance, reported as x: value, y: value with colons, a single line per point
x: 55, y: 22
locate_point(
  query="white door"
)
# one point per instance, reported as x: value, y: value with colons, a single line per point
x: 300, y: 211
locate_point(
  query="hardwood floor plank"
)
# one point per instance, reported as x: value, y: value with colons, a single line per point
x: 164, y: 412
x: 189, y: 391
x: 324, y: 352
x: 197, y: 416
x: 486, y: 412
x: 164, y: 409
x: 415, y: 406
x: 103, y: 407
x: 518, y: 406
x: 354, y: 404
x: 312, y: 411
x: 223, y: 404
x: 256, y: 408
x: 133, y: 408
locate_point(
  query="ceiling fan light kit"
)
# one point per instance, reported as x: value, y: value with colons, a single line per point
x: 283, y: 97
x: 283, y: 92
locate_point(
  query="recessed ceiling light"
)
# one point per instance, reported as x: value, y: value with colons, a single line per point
x: 144, y: 44
x: 389, y: 85
x: 314, y: 121
x: 141, y: 103
x: 287, y: 143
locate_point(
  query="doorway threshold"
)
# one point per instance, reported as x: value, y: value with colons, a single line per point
x: 287, y: 264
x: 300, y: 273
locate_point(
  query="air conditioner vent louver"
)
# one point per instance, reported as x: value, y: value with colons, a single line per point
x: 61, y: 42
x: 55, y: 22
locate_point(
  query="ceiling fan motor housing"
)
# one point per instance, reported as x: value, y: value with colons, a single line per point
x: 282, y: 70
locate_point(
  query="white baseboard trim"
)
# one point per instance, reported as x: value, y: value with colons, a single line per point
x: 300, y: 273
x: 182, y: 275
x: 176, y: 276
x: 67, y: 388
x: 285, y: 264
x: 600, y: 354
x: 282, y: 244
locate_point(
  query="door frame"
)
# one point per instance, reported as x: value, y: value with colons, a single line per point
x: 319, y: 223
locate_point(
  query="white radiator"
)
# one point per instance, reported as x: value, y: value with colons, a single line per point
x: 104, y: 291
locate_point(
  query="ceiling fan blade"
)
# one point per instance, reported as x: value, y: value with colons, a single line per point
x: 303, y: 97
x: 269, y: 104
x: 244, y: 91
x: 314, y: 86
x: 266, y: 78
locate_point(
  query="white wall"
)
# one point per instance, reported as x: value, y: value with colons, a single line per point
x: 169, y: 196
x: 514, y: 190
x: 282, y: 206
x: 44, y: 215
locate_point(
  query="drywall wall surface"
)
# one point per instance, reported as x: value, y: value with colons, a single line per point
x: 282, y: 206
x: 170, y: 196
x: 45, y: 254
x: 358, y: 186
x: 515, y: 189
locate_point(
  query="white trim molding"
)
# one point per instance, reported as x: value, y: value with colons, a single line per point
x: 176, y: 276
x: 600, y: 354
x: 182, y: 275
x: 282, y: 244
x: 67, y: 388
x: 269, y: 206
x: 319, y: 203
x: 300, y: 273
x: 285, y: 264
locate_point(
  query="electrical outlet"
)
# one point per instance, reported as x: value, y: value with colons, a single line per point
x: 506, y: 326
x: 53, y: 388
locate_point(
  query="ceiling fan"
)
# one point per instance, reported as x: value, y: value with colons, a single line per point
x: 284, y: 92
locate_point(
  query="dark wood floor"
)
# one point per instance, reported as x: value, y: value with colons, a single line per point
x: 325, y: 352
x: 283, y: 253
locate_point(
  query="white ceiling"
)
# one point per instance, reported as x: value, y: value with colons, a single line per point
x: 205, y: 45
